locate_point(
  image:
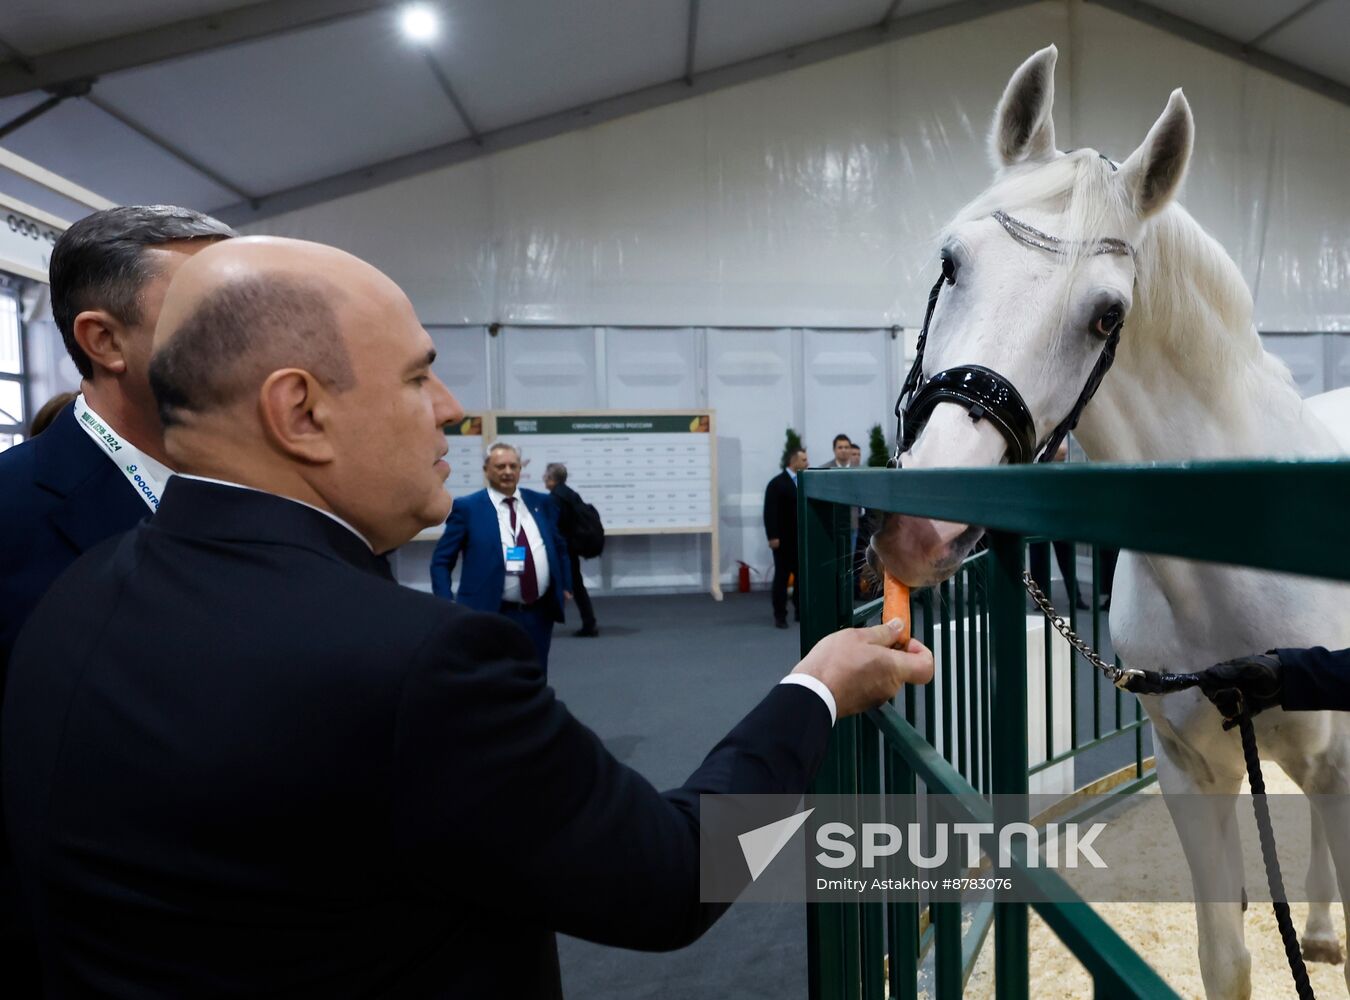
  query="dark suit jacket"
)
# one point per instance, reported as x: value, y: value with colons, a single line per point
x: 1314, y: 679
x: 240, y: 761
x: 472, y: 529
x: 59, y: 495
x: 780, y: 511
x: 566, y: 500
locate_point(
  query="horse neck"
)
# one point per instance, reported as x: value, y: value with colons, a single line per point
x: 1191, y: 379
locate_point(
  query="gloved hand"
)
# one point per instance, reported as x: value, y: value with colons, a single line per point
x: 1253, y: 682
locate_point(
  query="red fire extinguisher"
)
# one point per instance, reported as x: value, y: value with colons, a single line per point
x: 743, y: 579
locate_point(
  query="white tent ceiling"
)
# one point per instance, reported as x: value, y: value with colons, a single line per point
x: 251, y: 110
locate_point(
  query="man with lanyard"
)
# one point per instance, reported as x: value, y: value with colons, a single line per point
x: 515, y: 558
x: 99, y: 468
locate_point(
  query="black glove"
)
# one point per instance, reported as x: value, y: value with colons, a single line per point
x: 1250, y: 682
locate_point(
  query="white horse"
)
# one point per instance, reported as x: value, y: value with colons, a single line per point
x: 1190, y: 381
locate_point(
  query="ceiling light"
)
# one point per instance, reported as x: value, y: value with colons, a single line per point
x: 419, y: 22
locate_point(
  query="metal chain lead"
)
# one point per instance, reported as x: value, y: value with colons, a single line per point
x: 1119, y: 676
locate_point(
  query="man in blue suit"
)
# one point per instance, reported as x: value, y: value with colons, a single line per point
x: 515, y: 559
x: 100, y: 467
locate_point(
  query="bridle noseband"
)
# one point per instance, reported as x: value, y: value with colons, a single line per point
x: 985, y: 393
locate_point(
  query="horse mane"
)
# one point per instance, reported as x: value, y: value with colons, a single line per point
x: 1191, y: 301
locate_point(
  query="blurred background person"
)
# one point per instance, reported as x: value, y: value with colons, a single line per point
x: 780, y: 525
x: 49, y: 412
x: 579, y: 524
x: 841, y: 446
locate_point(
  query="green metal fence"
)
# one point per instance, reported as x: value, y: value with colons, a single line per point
x: 1272, y: 515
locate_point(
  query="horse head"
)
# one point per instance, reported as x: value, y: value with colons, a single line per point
x: 1038, y: 279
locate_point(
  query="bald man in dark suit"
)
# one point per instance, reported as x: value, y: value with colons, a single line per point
x: 240, y: 760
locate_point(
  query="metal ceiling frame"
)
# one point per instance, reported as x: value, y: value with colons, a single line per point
x: 409, y: 165
x: 1285, y: 21
x: 43, y: 177
x: 450, y: 95
x: 21, y: 74
x: 1242, y: 52
x: 156, y: 139
x: 691, y: 43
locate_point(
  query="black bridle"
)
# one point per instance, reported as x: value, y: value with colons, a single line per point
x: 985, y: 393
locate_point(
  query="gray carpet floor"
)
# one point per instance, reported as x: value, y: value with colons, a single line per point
x: 666, y: 679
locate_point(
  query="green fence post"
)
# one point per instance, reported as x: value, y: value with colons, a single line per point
x: 832, y: 951
x: 1007, y: 625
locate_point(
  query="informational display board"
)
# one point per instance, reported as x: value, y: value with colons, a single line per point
x: 648, y: 472
x: 644, y: 472
x: 465, y: 455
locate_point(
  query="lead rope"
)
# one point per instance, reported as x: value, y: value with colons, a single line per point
x: 1272, y: 860
x: 1156, y: 682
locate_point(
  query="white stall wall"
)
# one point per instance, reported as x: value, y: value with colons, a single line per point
x: 751, y: 249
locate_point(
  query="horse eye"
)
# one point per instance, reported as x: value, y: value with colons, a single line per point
x: 1108, y: 322
x: 948, y: 268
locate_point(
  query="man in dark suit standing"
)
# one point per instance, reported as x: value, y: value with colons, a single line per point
x: 68, y: 489
x: 780, y: 525
x: 515, y: 560
x: 571, y: 508
x: 100, y: 466
x: 240, y: 760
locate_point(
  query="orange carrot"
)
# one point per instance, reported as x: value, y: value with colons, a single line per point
x: 896, y: 605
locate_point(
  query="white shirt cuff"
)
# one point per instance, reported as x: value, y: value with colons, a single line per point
x: 818, y: 686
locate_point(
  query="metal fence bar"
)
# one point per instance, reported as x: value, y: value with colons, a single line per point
x: 972, y: 682
x: 956, y: 626
x: 948, y: 973
x: 986, y: 680
x: 1007, y: 625
x: 902, y: 915
x: 978, y: 659
x: 1117, y: 506
x: 873, y: 915
x: 819, y: 521
x: 1071, y: 585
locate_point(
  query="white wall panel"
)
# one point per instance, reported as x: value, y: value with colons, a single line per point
x: 651, y: 369
x: 844, y: 375
x: 432, y: 234
x: 650, y: 562
x: 1306, y: 358
x: 549, y: 369
x: 462, y: 364
x: 1338, y: 360
x: 751, y: 385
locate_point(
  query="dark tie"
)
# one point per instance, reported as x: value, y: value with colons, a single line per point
x: 529, y: 583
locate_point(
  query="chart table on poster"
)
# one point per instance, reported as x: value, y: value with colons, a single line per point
x: 644, y: 473
x: 465, y: 441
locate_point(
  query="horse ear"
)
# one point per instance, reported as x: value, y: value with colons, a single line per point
x: 1155, y: 170
x: 1023, y: 129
